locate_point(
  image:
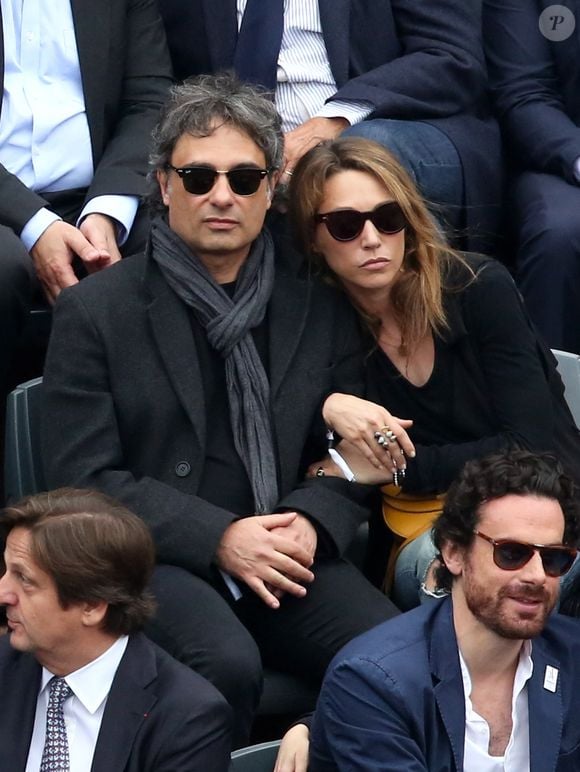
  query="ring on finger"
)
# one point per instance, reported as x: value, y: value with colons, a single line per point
x: 380, y: 438
x: 389, y: 433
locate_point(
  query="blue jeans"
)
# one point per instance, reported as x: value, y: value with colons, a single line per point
x: 430, y: 158
x: 410, y: 571
x: 414, y: 562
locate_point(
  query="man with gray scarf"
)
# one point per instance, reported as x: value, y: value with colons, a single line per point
x: 187, y: 382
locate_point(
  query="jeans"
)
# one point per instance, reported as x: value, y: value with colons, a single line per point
x: 429, y: 157
x: 414, y: 562
x: 410, y: 572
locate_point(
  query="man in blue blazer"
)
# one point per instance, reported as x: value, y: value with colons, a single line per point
x: 480, y: 680
x: 77, y: 565
x: 533, y: 50
x: 410, y: 75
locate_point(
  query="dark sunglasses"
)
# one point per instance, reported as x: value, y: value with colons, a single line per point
x: 511, y: 555
x: 199, y: 180
x: 347, y: 224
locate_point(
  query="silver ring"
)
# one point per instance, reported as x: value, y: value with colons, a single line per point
x: 380, y: 438
x: 288, y: 172
x: 320, y: 472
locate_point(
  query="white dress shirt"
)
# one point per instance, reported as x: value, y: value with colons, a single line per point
x: 44, y: 133
x: 476, y: 757
x: 305, y: 80
x: 83, y: 710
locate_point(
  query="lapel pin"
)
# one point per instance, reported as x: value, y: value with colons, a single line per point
x: 551, y: 678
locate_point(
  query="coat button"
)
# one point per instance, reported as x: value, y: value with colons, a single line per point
x: 182, y: 469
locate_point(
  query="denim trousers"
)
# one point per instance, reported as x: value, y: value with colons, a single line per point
x: 429, y: 157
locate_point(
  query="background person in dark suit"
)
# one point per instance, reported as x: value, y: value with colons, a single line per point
x: 82, y: 86
x: 533, y: 50
x: 205, y: 411
x: 410, y: 75
x: 77, y: 566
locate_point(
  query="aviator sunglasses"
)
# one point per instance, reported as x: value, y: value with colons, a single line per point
x: 511, y: 555
x: 347, y: 224
x: 199, y: 180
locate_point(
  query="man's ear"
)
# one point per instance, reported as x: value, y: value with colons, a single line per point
x: 454, y: 557
x: 94, y: 613
x: 163, y: 181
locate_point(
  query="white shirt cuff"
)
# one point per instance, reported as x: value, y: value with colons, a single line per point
x: 36, y: 226
x: 354, y: 112
x: 231, y: 585
x: 122, y: 209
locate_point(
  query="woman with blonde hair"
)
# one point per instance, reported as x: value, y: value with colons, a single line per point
x: 451, y: 354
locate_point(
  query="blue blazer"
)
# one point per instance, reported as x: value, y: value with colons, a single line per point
x: 160, y: 716
x: 536, y: 84
x: 393, y: 699
x: 417, y: 60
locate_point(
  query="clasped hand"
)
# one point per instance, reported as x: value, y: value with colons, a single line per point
x: 272, y: 554
x: 94, y: 243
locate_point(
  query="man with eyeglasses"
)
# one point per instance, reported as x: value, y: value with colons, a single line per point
x: 486, y: 679
x: 188, y: 382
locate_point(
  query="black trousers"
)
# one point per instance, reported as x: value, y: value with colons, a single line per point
x: 548, y: 258
x: 229, y: 641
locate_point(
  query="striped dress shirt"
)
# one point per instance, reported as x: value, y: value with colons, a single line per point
x: 305, y: 80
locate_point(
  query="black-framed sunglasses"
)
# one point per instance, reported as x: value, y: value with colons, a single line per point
x: 511, y: 555
x: 199, y: 180
x: 347, y: 224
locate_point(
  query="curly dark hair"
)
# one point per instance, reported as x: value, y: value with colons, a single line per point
x: 511, y: 471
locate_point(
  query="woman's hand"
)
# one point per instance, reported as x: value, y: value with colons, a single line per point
x: 379, y: 436
x: 363, y: 471
x: 293, y: 753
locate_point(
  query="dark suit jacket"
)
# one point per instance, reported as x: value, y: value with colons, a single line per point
x: 126, y: 73
x: 160, y: 715
x: 393, y: 699
x: 125, y: 409
x: 411, y: 60
x: 536, y: 84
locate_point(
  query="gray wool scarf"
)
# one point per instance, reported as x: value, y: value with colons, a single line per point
x: 228, y: 322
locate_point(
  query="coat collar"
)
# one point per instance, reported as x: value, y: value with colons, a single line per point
x: 172, y: 332
x: 545, y: 710
x: 287, y: 314
x: 336, y: 36
x: 545, y: 707
x: 447, y: 680
x: 92, y: 33
x: 129, y: 701
x: 21, y: 681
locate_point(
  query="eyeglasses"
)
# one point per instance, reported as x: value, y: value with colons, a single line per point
x: 199, y: 180
x: 511, y: 555
x: 347, y: 224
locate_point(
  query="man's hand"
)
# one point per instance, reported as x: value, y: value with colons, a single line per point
x: 100, y: 231
x: 267, y: 562
x: 307, y: 135
x: 57, y: 247
x: 302, y: 532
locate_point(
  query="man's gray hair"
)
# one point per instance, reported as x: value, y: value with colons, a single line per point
x: 198, y: 105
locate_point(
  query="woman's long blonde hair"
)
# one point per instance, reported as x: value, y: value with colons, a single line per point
x: 416, y: 296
